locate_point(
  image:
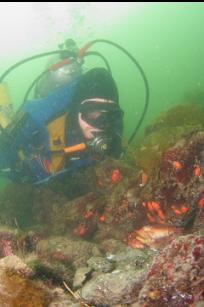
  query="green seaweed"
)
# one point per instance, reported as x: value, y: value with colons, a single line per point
x: 165, y: 131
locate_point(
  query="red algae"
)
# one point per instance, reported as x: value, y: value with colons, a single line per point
x: 175, y: 275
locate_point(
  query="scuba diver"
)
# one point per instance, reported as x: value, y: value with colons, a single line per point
x: 73, y: 121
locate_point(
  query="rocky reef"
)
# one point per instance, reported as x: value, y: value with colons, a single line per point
x: 133, y: 235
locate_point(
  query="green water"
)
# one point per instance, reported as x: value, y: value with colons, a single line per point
x: 165, y: 38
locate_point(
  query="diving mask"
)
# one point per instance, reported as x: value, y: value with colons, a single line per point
x: 99, y: 113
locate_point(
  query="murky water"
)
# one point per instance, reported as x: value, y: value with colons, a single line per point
x: 99, y: 230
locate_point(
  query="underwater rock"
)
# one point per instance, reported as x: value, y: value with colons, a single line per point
x: 85, y: 229
x: 16, y: 289
x: 175, y: 193
x: 176, y: 277
x: 15, y: 264
x: 61, y: 299
x: 16, y: 205
x: 112, y: 246
x: 116, y: 231
x: 111, y: 172
x: 66, y: 250
x: 198, y: 223
x: 100, y: 264
x: 26, y: 241
x: 81, y: 276
x: 116, y: 287
x: 166, y: 130
x: 51, y: 271
x: 130, y: 258
x: 8, y: 241
x: 46, y: 210
x: 61, y: 216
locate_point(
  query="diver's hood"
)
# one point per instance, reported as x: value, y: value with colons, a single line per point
x: 96, y: 100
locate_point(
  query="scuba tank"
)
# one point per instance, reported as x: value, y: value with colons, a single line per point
x: 54, y: 79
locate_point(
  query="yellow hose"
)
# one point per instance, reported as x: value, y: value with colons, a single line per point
x: 6, y: 111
